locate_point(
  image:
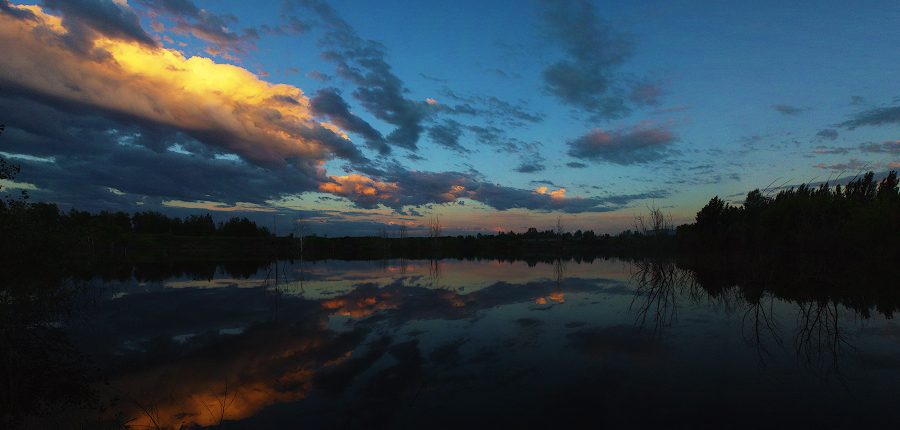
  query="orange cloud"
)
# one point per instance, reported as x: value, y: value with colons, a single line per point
x: 558, y: 194
x: 358, y: 185
x: 206, y: 389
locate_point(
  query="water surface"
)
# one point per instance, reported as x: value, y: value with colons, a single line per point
x: 485, y: 344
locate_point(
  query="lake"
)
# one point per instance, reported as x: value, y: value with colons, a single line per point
x: 483, y: 344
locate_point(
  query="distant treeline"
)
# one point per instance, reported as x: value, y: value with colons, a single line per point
x: 156, y: 223
x: 30, y: 222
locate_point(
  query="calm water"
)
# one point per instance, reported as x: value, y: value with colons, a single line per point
x: 485, y: 344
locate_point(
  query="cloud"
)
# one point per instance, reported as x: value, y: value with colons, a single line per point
x: 319, y: 76
x: 788, y: 110
x: 205, y: 25
x: 150, y: 113
x: 150, y: 127
x: 673, y: 109
x: 576, y: 165
x: 529, y: 167
x: 224, y: 107
x: 533, y: 162
x: 827, y: 134
x: 398, y: 188
x: 15, y: 12
x: 328, y: 101
x: 432, y: 79
x: 490, y: 108
x: 589, y: 78
x: 623, y: 147
x: 877, y: 116
x: 646, y: 93
x: 884, y: 148
x: 363, y: 63
x: 86, y: 20
x: 853, y: 164
x: 103, y: 164
x: 829, y: 150
x: 447, y: 135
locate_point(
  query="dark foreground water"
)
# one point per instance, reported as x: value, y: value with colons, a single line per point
x: 485, y: 344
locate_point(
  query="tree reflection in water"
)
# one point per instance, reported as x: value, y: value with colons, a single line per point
x: 659, y: 284
x: 43, y: 376
x: 822, y: 336
x: 435, y: 270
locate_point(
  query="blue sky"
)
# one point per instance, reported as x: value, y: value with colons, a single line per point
x: 357, y: 116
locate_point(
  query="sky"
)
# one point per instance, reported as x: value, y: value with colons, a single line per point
x: 353, y: 117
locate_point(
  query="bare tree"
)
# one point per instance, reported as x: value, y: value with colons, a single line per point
x: 300, y: 231
x: 435, y: 227
x: 655, y: 223
x: 385, y: 244
x: 559, y: 235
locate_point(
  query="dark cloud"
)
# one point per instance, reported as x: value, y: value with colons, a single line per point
x: 494, y: 136
x: 15, y: 12
x: 576, y: 165
x: 364, y: 63
x: 491, y: 110
x: 447, y: 135
x: 531, y: 163
x: 84, y: 19
x: 432, y: 79
x: 96, y: 160
x: 205, y: 25
x: 175, y: 7
x: 296, y: 26
x: 623, y: 148
x: 877, y: 116
x: 329, y: 102
x: 827, y: 134
x: 589, y: 77
x: 319, y: 76
x: 788, y: 110
x: 494, y: 109
x: 884, y: 148
x: 646, y: 93
x: 527, y: 167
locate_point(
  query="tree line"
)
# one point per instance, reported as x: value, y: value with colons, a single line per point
x: 862, y: 217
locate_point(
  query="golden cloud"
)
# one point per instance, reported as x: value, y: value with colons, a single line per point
x: 276, y: 367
